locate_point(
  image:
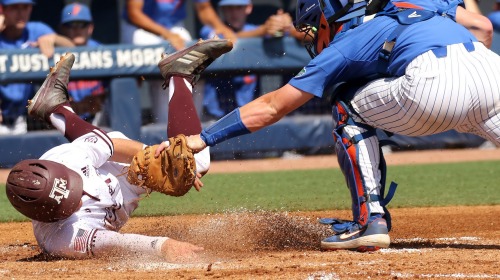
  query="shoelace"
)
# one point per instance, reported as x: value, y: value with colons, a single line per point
x: 198, y: 69
x: 61, y: 86
x: 345, y: 227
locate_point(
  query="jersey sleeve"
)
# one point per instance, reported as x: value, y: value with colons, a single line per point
x: 93, y: 43
x: 207, y: 32
x: 74, y: 156
x: 309, y: 80
x: 38, y: 29
x: 322, y: 72
x: 448, y: 7
x: 92, y: 149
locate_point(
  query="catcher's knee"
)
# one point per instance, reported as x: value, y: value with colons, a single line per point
x: 362, y: 163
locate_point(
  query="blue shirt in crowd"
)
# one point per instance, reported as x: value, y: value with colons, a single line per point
x: 168, y: 13
x: 14, y: 96
x: 222, y: 95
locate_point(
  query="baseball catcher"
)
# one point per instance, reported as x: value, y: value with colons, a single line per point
x: 412, y: 70
x: 77, y: 194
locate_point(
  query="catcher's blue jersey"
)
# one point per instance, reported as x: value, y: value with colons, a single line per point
x: 355, y: 54
x: 447, y: 7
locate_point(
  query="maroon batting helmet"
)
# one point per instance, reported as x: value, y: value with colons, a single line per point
x: 44, y: 190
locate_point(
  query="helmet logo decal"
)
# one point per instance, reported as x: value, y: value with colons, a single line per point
x: 35, y: 182
x: 59, y: 190
x: 310, y: 7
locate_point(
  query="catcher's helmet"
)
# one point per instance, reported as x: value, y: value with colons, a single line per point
x: 44, y: 190
x: 314, y: 17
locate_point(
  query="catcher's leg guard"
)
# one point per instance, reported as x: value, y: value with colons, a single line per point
x: 363, y: 165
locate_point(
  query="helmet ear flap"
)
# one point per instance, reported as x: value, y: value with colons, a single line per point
x: 323, y: 35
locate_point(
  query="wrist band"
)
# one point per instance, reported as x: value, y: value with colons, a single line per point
x: 228, y: 127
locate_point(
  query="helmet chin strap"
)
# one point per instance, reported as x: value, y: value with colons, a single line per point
x: 337, y: 27
x: 375, y: 6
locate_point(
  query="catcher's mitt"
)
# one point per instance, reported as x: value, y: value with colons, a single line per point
x: 172, y: 173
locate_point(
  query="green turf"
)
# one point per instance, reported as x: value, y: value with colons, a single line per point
x: 419, y: 185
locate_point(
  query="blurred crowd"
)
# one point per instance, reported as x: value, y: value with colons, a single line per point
x: 143, y: 22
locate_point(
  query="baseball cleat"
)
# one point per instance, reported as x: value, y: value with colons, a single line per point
x: 53, y: 91
x: 370, y: 238
x: 190, y: 62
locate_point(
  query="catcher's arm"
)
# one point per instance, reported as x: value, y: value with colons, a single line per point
x: 479, y: 25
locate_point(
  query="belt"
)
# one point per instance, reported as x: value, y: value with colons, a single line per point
x: 443, y: 51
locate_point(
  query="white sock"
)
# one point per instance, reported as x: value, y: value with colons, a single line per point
x: 59, y: 122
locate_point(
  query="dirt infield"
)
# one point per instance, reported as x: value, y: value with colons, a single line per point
x: 444, y: 243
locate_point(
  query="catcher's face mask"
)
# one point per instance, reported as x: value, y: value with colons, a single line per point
x: 316, y: 38
x: 315, y: 19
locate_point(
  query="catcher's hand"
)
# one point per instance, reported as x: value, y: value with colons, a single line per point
x: 171, y: 171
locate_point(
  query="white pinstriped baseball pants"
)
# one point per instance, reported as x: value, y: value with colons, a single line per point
x: 460, y: 91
